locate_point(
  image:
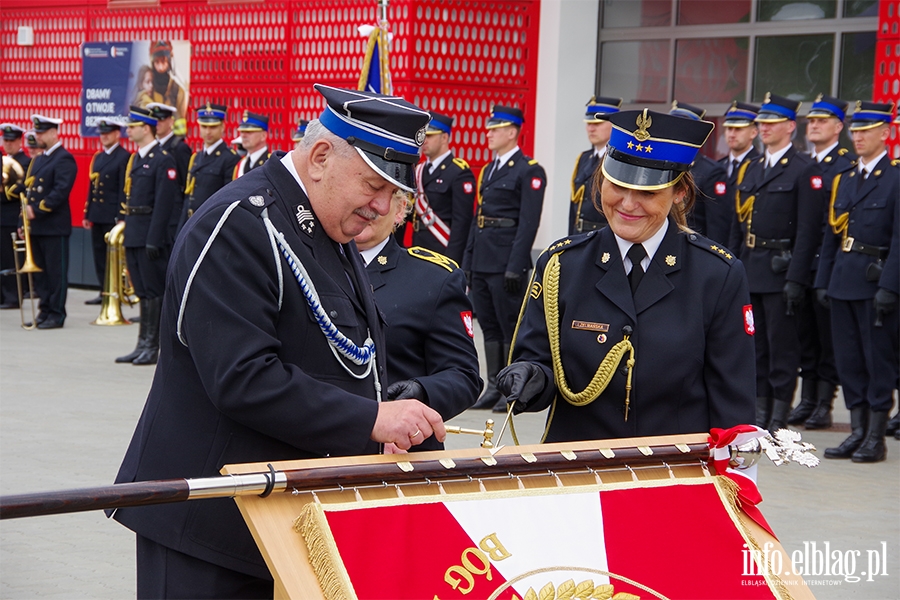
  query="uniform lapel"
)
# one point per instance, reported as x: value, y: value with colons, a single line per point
x: 656, y: 285
x: 375, y: 269
x: 778, y: 168
x: 870, y: 183
x: 614, y: 283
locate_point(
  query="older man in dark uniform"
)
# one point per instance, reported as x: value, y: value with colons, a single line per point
x: 433, y: 360
x: 498, y: 254
x: 10, y: 212
x: 106, y: 194
x: 740, y: 132
x: 213, y: 166
x: 779, y: 203
x: 445, y: 200
x: 179, y: 150
x: 266, y: 357
x: 858, y: 276
x: 711, y: 215
x: 49, y: 179
x: 151, y: 189
x: 818, y: 374
x: 583, y: 215
x: 254, y: 130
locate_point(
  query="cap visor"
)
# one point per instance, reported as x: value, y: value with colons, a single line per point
x: 770, y: 118
x: 737, y: 123
x: 638, y: 178
x: 209, y: 121
x: 494, y: 124
x: 249, y: 128
x: 400, y: 174
x: 863, y: 125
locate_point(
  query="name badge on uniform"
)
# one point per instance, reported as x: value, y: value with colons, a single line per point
x: 588, y: 326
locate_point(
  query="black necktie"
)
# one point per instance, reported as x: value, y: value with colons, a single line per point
x: 863, y: 175
x: 734, y: 166
x: 348, y: 268
x: 494, y: 168
x: 636, y: 253
x: 430, y: 168
x: 248, y: 165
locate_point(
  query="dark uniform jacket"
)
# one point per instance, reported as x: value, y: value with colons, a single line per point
x: 151, y: 199
x: 252, y: 378
x: 181, y: 152
x: 516, y: 193
x: 692, y: 335
x: 788, y: 203
x: 727, y: 205
x: 450, y: 191
x: 10, y: 203
x: 50, y: 180
x: 711, y: 216
x: 583, y: 216
x: 208, y: 174
x: 836, y: 161
x: 250, y: 166
x: 874, y: 221
x: 107, y: 191
x: 429, y: 327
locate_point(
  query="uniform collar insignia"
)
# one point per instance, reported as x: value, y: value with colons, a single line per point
x: 306, y: 220
x: 382, y: 260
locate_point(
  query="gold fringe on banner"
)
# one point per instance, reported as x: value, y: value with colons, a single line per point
x: 333, y: 578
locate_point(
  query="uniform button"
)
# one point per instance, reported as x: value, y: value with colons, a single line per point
x: 693, y: 237
x: 333, y: 314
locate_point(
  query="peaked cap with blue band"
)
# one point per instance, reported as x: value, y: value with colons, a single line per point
x: 651, y: 151
x: 42, y: 123
x: 300, y: 131
x: 599, y: 108
x: 688, y: 111
x: 439, y: 124
x: 212, y: 114
x: 386, y: 131
x: 504, y: 116
x: 253, y: 122
x: 871, y: 114
x: 828, y: 106
x: 141, y: 116
x: 740, y: 114
x: 778, y: 108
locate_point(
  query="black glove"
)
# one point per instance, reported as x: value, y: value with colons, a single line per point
x: 512, y: 282
x: 793, y: 296
x: 153, y: 252
x: 521, y: 383
x: 885, y: 304
x: 468, y: 275
x: 822, y: 297
x: 408, y: 388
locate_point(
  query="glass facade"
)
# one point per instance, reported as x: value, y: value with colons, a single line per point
x: 794, y: 66
x: 711, y: 70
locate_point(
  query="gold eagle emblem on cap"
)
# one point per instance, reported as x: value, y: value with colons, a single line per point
x: 768, y: 98
x: 858, y: 104
x: 643, y: 123
x: 819, y: 98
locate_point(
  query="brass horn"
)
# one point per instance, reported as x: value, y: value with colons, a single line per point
x: 13, y: 178
x: 116, y: 285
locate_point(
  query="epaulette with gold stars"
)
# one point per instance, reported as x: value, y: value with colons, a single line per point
x: 569, y: 242
x: 433, y: 257
x: 460, y: 163
x: 717, y: 249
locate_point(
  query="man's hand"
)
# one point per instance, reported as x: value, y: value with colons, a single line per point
x: 521, y: 382
x: 822, y: 297
x: 512, y: 282
x: 885, y: 303
x: 29, y: 212
x: 407, y: 423
x: 86, y: 224
x: 793, y: 296
x: 408, y: 388
x: 152, y: 252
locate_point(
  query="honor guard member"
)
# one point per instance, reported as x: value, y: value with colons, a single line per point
x: 858, y: 277
x: 740, y: 133
x: 254, y: 130
x: 273, y: 347
x: 779, y: 203
x: 299, y: 132
x: 151, y: 187
x: 498, y: 253
x: 238, y: 147
x: 432, y: 360
x: 106, y: 194
x: 818, y: 374
x: 174, y: 145
x: 213, y: 166
x: 583, y: 214
x: 11, y: 210
x: 710, y: 215
x: 445, y: 197
x: 643, y: 327
x: 34, y: 149
x: 49, y: 180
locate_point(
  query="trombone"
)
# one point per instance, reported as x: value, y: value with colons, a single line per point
x: 13, y: 174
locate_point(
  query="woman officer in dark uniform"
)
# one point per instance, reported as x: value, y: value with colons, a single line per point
x: 644, y: 327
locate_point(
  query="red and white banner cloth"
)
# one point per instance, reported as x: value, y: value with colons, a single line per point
x: 651, y: 539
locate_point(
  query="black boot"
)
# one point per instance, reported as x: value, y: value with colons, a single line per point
x: 859, y: 423
x: 142, y: 338
x: 821, y: 417
x: 780, y: 409
x: 151, y: 314
x: 893, y: 426
x: 493, y: 356
x: 808, y: 402
x: 763, y: 412
x: 500, y: 405
x: 873, y: 448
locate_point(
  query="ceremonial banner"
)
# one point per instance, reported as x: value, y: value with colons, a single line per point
x: 676, y: 538
x: 118, y: 74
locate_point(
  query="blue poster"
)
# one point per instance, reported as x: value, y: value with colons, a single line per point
x: 105, y: 72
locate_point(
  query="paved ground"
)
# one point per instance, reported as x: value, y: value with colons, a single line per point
x: 67, y: 413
